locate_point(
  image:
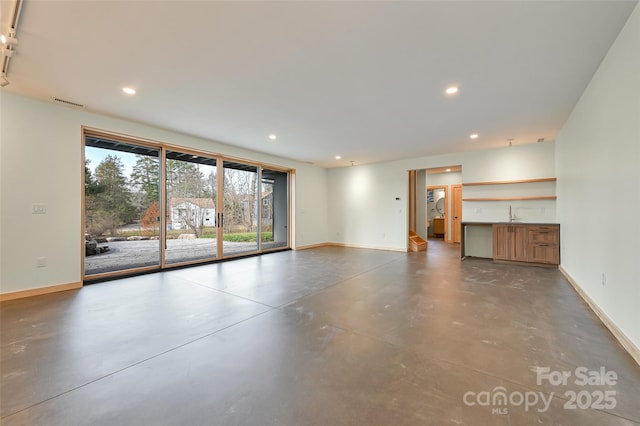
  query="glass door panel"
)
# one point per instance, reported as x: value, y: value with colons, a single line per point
x: 120, y: 206
x: 240, y: 209
x: 274, y: 216
x: 191, y: 207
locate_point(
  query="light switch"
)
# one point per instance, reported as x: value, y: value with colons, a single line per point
x: 39, y: 209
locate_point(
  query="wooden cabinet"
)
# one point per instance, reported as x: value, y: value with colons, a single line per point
x: 510, y: 242
x: 526, y: 243
x: 438, y: 226
x: 502, y: 242
x: 544, y: 244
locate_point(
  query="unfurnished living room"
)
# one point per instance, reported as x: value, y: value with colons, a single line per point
x: 319, y: 212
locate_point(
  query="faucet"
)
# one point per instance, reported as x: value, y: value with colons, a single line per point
x: 510, y: 214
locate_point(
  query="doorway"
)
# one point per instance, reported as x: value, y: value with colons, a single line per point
x: 437, y: 212
x: 444, y: 202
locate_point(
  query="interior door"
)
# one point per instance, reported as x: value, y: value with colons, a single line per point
x: 456, y: 216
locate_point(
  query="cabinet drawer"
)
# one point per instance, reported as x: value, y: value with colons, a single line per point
x: 544, y: 234
x: 544, y: 253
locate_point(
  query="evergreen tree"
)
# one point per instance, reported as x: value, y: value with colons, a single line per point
x: 113, y: 204
x: 145, y: 175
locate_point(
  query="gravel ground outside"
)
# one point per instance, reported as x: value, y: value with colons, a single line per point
x: 136, y: 254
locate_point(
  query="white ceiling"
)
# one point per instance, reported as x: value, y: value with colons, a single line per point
x: 364, y: 80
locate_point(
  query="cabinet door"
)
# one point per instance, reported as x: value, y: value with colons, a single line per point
x: 520, y: 243
x: 501, y: 242
x: 438, y: 226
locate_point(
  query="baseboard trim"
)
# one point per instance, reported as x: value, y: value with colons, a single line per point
x: 39, y: 291
x: 345, y: 245
x: 626, y: 343
x: 363, y: 246
x: 311, y: 246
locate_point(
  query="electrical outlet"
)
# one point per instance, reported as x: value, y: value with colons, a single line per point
x: 41, y: 262
x: 39, y: 209
x: 604, y: 279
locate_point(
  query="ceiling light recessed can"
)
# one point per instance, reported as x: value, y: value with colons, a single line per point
x: 451, y: 90
x: 272, y: 137
x: 338, y: 157
x: 473, y: 136
x: 129, y: 90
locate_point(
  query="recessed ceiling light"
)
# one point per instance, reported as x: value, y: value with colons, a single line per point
x: 272, y: 137
x: 338, y: 157
x: 448, y: 170
x: 129, y: 90
x: 451, y: 90
x: 473, y: 136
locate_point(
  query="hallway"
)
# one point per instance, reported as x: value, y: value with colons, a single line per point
x: 326, y: 336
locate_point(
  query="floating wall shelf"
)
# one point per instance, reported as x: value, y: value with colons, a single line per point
x: 509, y: 182
x: 546, y: 197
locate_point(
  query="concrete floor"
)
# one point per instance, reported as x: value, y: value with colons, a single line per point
x: 328, y: 336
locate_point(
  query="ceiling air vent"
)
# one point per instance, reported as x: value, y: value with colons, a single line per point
x: 68, y: 103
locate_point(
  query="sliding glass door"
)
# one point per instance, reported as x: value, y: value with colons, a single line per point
x: 121, y: 198
x: 275, y: 209
x: 191, y: 207
x: 149, y: 206
x: 240, y: 209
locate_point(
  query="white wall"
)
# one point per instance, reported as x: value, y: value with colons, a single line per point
x: 510, y: 163
x: 40, y: 162
x: 363, y: 210
x: 598, y: 163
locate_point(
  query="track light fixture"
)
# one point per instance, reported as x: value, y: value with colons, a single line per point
x: 7, y: 53
x: 8, y: 41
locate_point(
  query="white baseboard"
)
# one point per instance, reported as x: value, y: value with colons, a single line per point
x: 364, y: 246
x: 629, y: 346
x: 346, y: 245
